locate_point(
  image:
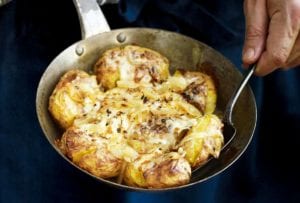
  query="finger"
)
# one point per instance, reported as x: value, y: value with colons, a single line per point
x: 283, y: 31
x: 294, y: 57
x: 256, y: 30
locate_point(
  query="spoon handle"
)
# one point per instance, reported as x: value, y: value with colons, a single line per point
x: 236, y: 94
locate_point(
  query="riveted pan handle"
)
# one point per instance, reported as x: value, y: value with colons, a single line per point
x: 91, y: 18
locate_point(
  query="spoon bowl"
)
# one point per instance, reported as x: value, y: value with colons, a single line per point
x: 229, y: 130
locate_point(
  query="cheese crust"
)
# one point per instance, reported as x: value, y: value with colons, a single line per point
x: 138, y: 124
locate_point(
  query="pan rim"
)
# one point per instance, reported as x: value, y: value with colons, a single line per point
x: 130, y: 188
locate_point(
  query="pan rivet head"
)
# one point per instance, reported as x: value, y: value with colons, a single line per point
x: 79, y: 50
x: 121, y: 37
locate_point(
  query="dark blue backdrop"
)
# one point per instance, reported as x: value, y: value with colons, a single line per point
x: 33, y: 32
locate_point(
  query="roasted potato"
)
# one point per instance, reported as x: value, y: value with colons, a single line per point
x: 158, y: 171
x: 131, y: 63
x: 90, y: 152
x: 203, y: 140
x: 196, y: 88
x: 146, y: 128
x: 76, y: 93
x: 200, y: 91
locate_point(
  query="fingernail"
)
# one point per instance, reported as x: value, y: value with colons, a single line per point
x: 249, y: 54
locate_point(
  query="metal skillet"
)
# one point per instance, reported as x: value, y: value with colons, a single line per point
x: 182, y: 51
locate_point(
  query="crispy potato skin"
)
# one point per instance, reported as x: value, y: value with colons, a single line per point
x: 205, y: 139
x: 75, y: 91
x: 131, y: 63
x: 147, y: 128
x: 107, y: 67
x: 158, y: 171
x: 90, y: 153
x: 201, y: 91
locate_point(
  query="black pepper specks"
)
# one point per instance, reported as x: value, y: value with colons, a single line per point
x: 145, y: 99
x: 108, y: 112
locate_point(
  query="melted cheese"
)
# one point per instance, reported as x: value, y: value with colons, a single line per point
x: 138, y: 117
x: 139, y: 113
x: 142, y: 118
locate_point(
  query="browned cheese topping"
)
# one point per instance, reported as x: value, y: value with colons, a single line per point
x: 137, y: 123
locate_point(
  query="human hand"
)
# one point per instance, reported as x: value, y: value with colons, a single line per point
x: 272, y: 34
x: 2, y: 2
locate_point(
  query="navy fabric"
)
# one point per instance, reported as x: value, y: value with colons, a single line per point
x: 33, y: 32
x: 263, y: 173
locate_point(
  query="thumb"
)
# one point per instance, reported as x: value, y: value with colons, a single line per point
x: 256, y: 30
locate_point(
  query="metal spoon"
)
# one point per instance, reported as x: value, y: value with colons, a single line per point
x: 229, y: 130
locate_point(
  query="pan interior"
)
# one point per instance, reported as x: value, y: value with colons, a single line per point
x: 183, y: 53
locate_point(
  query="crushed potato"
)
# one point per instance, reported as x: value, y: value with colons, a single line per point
x: 133, y: 121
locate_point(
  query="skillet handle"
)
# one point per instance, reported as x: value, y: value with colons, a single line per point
x: 91, y: 18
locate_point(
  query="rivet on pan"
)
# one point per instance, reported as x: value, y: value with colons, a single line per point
x: 79, y: 50
x: 121, y: 37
